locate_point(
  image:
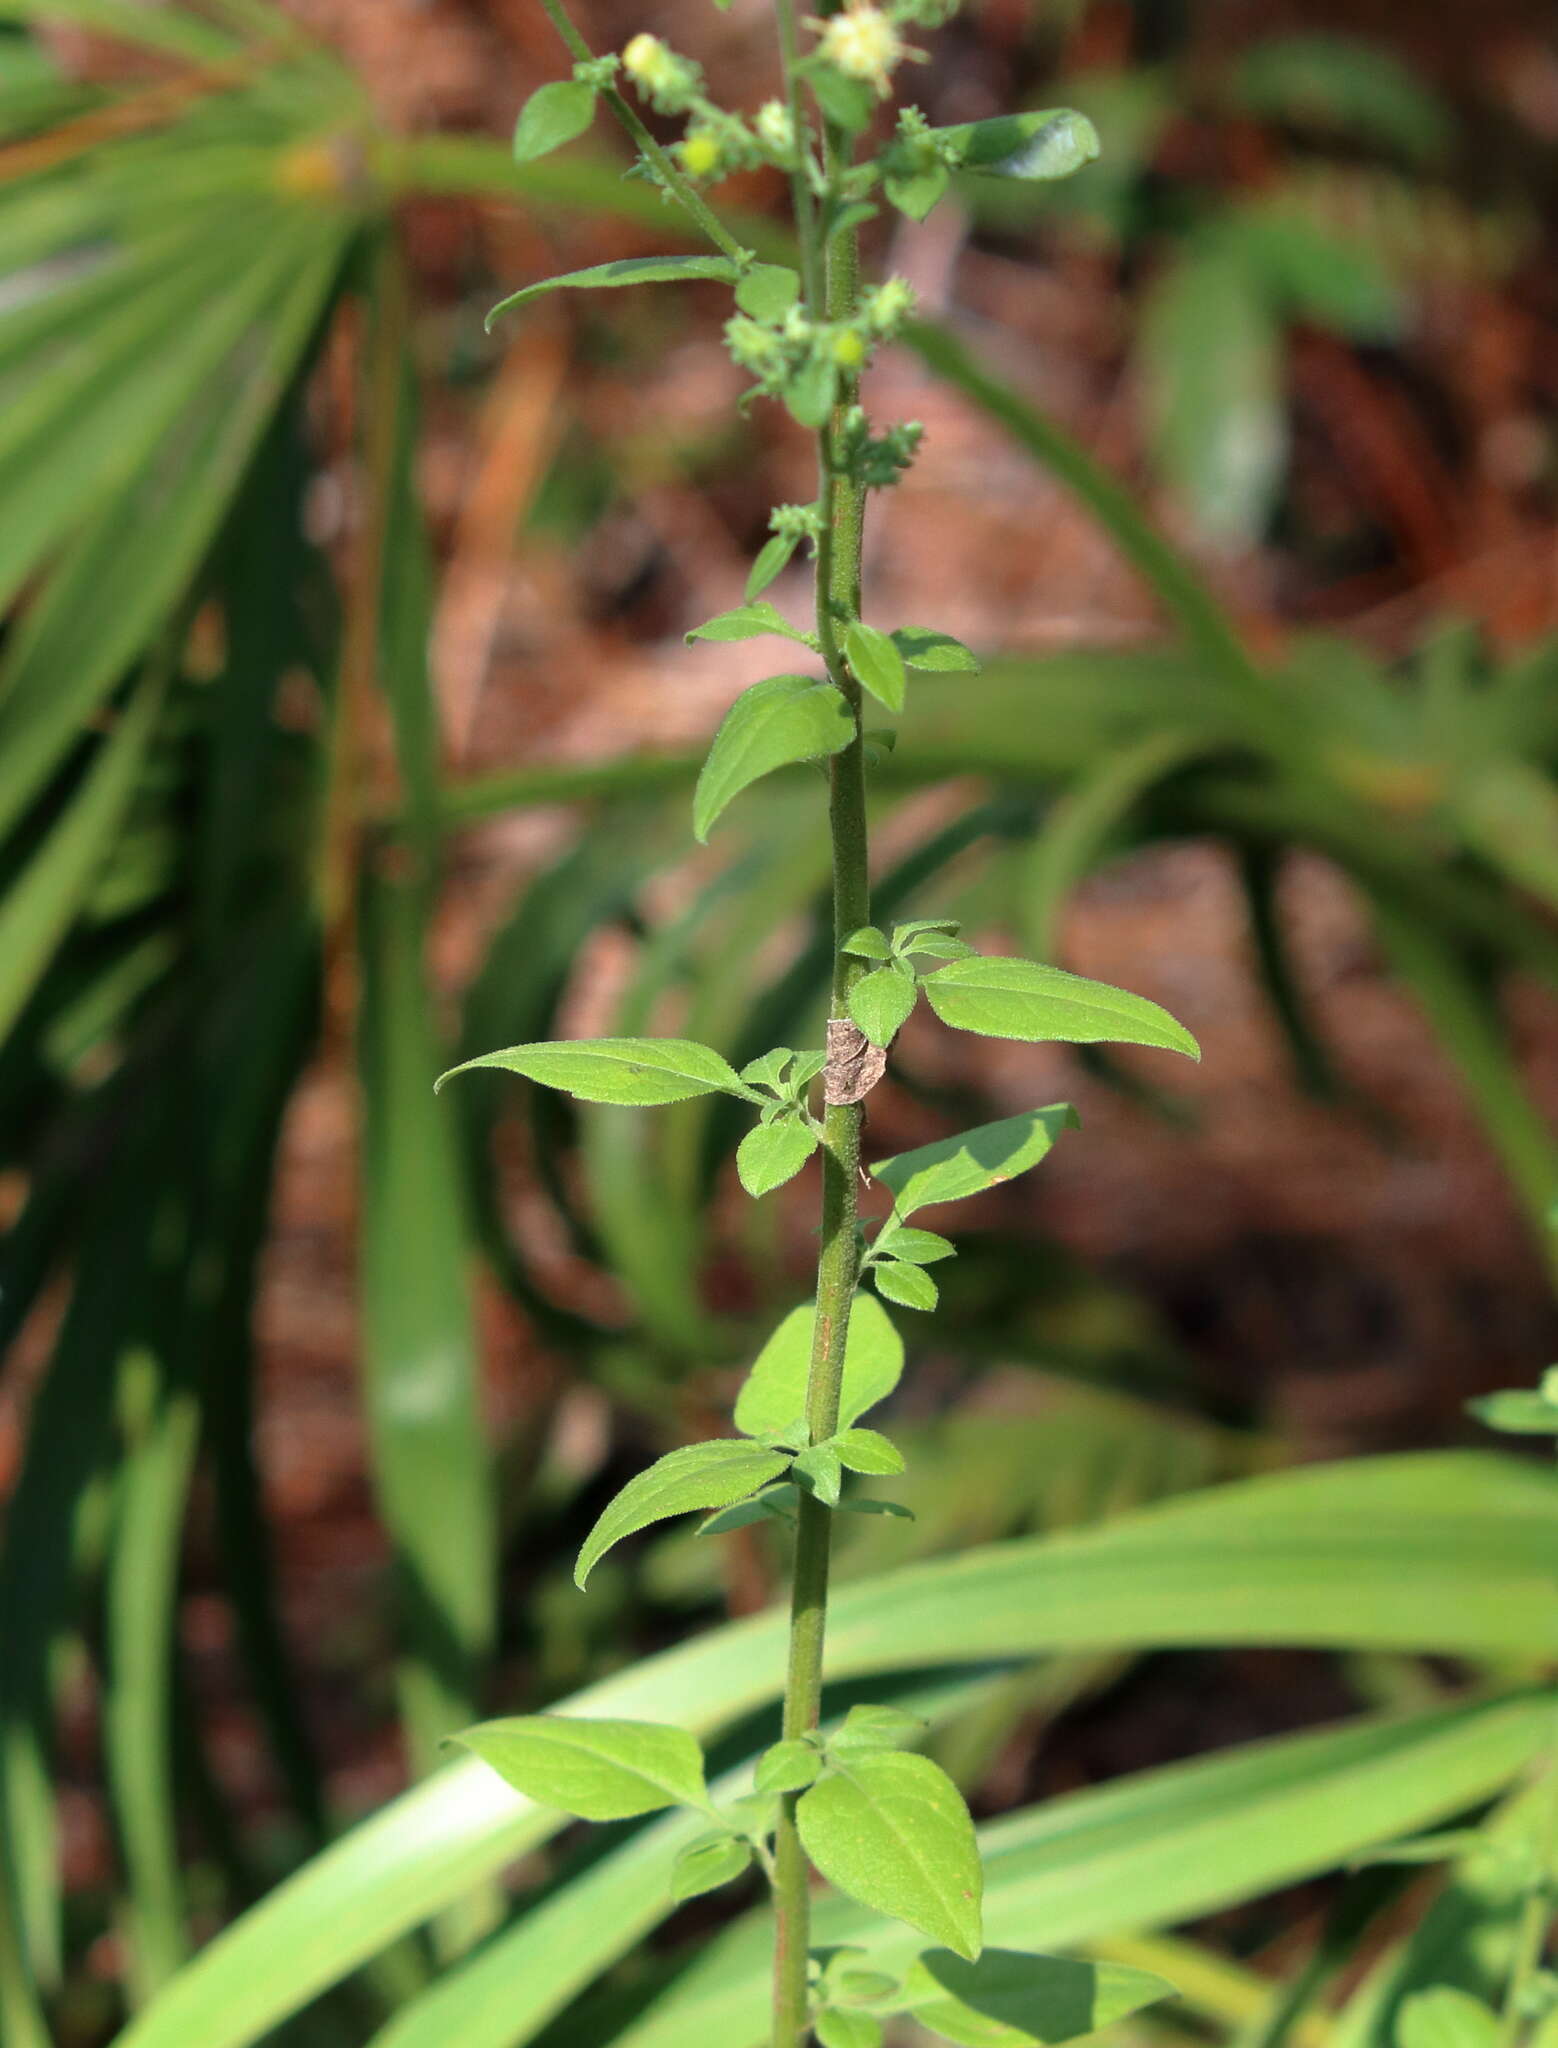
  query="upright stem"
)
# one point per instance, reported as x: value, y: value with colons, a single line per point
x: 842, y: 501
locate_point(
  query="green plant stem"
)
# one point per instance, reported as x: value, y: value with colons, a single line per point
x: 842, y: 500
x: 664, y: 167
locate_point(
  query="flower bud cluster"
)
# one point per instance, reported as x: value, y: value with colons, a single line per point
x: 671, y: 84
x: 877, y: 460
x: 863, y: 43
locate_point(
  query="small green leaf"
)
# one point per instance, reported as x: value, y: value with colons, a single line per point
x: 768, y: 291
x: 773, y: 1504
x: 773, y: 558
x: 921, y: 647
x: 906, y: 1285
x: 876, y: 662
x: 867, y: 944
x: 868, y: 1504
x: 916, y: 192
x: 942, y: 947
x: 645, y: 1071
x: 878, y: 1727
x: 787, y: 1767
x: 1516, y: 1411
x: 902, y: 933
x: 1022, y: 1000
x: 1446, y: 2018
x: 708, y: 1475
x: 1052, y: 143
x: 751, y: 622
x: 892, y: 1831
x: 1010, y: 2000
x: 704, y: 1865
x: 866, y: 1986
x: 867, y: 1450
x: 771, y: 1154
x: 917, y: 1247
x: 782, y: 720
x: 553, y: 115
x: 810, y: 391
x: 775, y: 1389
x: 821, y: 1469
x: 624, y: 271
x: 952, y: 1169
x: 837, y: 2028
x: 880, y: 1003
x: 768, y: 1068
x: 600, y: 1770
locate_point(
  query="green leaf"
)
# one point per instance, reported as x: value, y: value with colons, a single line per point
x: 837, y: 2028
x: 1051, y: 143
x: 918, y: 1247
x: 1010, y: 2000
x: 867, y: 944
x: 787, y: 1767
x: 624, y: 271
x: 916, y: 192
x: 866, y: 1504
x: 877, y: 663
x: 1446, y: 2018
x: 1211, y: 347
x: 600, y: 1770
x: 906, y: 1285
x: 553, y: 115
x: 704, y: 1865
x: 891, y: 1830
x: 708, y: 1475
x: 881, y: 1002
x: 774, y: 1393
x: 771, y: 1154
x: 867, y: 1450
x: 822, y: 1471
x: 1448, y: 1845
x: 1517, y: 1411
x: 751, y: 622
x: 874, y: 1726
x: 921, y: 647
x: 773, y: 1504
x: 810, y: 391
x: 954, y: 1168
x: 847, y: 101
x: 645, y: 1071
x: 773, y: 558
x: 768, y: 291
x: 782, y: 720
x: 1020, y: 999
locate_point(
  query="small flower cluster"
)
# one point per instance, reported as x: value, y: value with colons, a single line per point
x: 799, y: 359
x: 877, y: 460
x: 717, y: 142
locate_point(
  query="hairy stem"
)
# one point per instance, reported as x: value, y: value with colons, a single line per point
x: 686, y: 194
x: 842, y: 501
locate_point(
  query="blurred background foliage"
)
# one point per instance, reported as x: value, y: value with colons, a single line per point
x: 346, y: 727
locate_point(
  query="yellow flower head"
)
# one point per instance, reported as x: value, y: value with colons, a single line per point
x: 863, y: 43
x: 849, y: 350
x: 700, y: 156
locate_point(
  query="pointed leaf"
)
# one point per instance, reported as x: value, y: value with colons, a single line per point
x: 906, y: 1285
x: 1051, y: 143
x: 873, y: 1726
x: 1010, y: 2000
x: 627, y: 1070
x: 877, y: 663
x: 773, y: 558
x: 782, y: 720
x: 881, y: 1003
x: 750, y: 622
x: 1020, y: 999
x: 918, y: 1247
x: 821, y: 1470
x: 553, y: 115
x: 916, y: 192
x: 867, y: 944
x: 954, y: 1168
x: 1518, y: 1411
x: 922, y: 647
x: 775, y: 1390
x: 704, y: 1865
x: 787, y: 1767
x: 709, y: 1475
x: 626, y: 270
x: 892, y: 1831
x: 867, y: 1450
x: 839, y: 2029
x: 773, y: 1504
x: 771, y: 1154
x: 600, y: 1770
